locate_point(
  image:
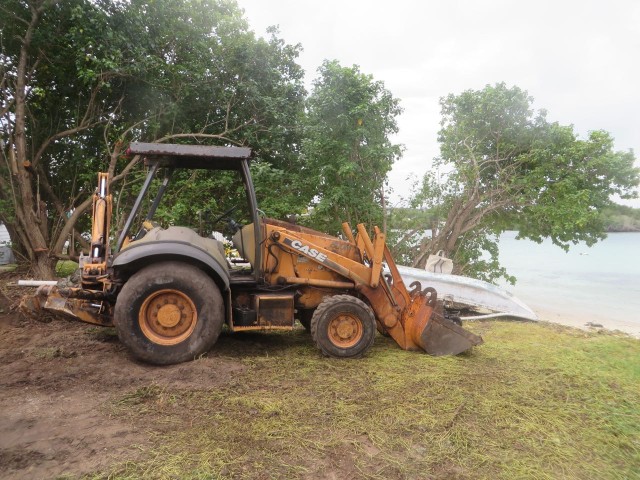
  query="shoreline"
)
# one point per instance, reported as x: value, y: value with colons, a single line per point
x: 590, y: 323
x: 585, y: 286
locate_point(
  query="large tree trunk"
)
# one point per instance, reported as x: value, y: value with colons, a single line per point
x: 43, y: 267
x: 31, y: 215
x: 445, y: 238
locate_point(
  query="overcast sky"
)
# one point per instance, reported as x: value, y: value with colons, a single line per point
x: 579, y: 59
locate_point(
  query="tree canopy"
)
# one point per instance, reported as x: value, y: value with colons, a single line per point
x: 80, y: 79
x: 347, y: 147
x: 504, y: 164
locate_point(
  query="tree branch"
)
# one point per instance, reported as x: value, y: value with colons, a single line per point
x: 70, y: 224
x: 219, y: 136
x: 125, y: 170
x: 13, y: 15
x: 197, y: 135
x: 84, y: 124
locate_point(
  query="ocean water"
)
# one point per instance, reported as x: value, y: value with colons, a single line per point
x: 598, y: 283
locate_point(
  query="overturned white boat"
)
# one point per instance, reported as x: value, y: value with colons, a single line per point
x: 463, y: 293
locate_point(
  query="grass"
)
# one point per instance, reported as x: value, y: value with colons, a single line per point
x: 48, y: 353
x: 64, y: 268
x: 535, y: 401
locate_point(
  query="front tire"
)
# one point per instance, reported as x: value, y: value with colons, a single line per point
x: 169, y: 312
x: 343, y: 326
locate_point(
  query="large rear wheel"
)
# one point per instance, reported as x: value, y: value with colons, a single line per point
x: 343, y: 326
x: 169, y: 313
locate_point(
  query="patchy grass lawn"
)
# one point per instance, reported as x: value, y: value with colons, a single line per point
x: 535, y: 401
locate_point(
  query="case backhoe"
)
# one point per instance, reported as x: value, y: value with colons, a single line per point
x: 168, y: 292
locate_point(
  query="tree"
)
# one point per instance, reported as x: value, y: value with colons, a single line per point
x: 504, y: 165
x: 347, y: 148
x: 620, y: 218
x: 27, y: 132
x: 82, y: 78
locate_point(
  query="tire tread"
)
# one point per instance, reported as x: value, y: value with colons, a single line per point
x: 369, y: 324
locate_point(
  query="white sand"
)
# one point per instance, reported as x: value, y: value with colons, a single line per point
x: 593, y: 321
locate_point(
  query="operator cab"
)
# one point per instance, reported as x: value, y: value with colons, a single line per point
x: 217, y: 225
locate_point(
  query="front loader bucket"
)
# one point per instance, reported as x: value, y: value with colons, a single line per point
x: 409, y: 317
x: 428, y: 330
x: 443, y: 337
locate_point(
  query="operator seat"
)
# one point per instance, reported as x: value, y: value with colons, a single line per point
x: 245, y: 243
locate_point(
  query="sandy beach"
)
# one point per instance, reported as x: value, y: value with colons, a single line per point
x: 590, y: 322
x: 598, y: 285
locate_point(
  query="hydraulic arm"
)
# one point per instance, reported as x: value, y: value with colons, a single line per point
x: 96, y: 266
x: 408, y: 317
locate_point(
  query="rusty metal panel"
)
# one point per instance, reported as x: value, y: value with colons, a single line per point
x: 274, y: 310
x: 175, y: 150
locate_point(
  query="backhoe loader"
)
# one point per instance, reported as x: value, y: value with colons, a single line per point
x: 169, y: 291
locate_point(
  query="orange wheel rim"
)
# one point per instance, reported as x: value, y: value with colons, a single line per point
x: 345, y: 330
x: 168, y: 317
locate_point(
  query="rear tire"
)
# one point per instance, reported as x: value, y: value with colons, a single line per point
x: 343, y: 326
x: 169, y: 313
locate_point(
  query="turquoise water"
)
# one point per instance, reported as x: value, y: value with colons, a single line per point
x: 601, y: 282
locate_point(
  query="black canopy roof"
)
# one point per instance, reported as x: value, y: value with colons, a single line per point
x: 191, y: 156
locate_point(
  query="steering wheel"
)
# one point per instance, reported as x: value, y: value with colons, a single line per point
x: 225, y: 214
x: 232, y: 224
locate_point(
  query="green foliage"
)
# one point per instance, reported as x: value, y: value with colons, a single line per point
x: 620, y: 218
x: 571, y: 183
x: 408, y: 228
x: 217, y: 81
x: 201, y: 70
x: 346, y: 147
x: 65, y: 268
x: 102, y: 73
x: 195, y: 198
x: 478, y: 256
x: 280, y: 192
x: 62, y: 94
x: 502, y: 164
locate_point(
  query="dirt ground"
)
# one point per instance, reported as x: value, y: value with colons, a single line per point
x: 57, y: 382
x: 527, y: 404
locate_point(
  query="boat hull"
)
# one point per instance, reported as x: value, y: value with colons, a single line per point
x: 463, y: 292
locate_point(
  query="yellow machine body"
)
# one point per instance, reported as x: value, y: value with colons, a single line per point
x: 168, y: 291
x: 320, y: 263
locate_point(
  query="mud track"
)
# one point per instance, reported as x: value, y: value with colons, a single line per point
x: 58, y: 383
